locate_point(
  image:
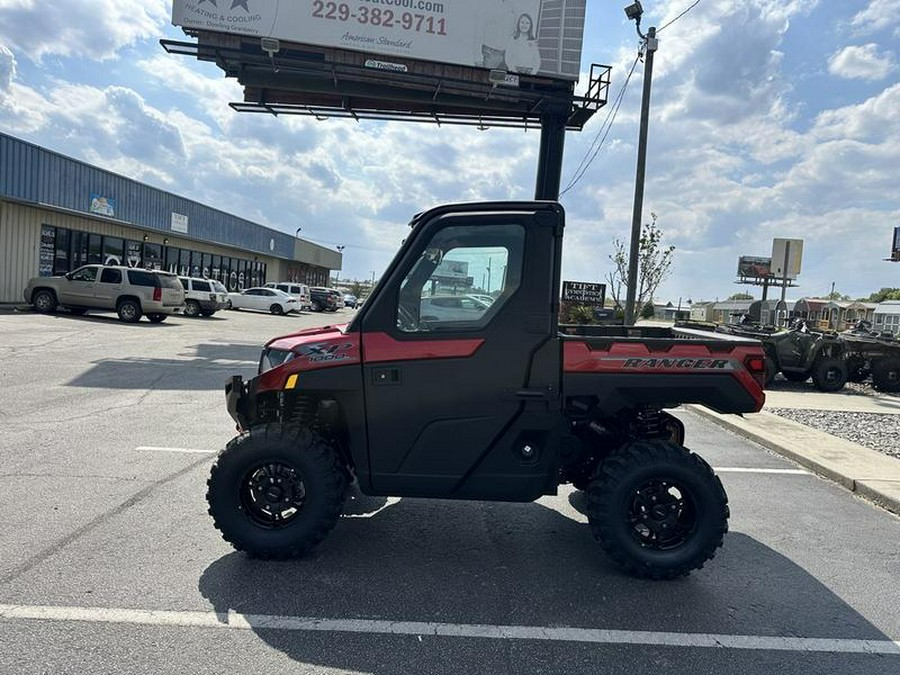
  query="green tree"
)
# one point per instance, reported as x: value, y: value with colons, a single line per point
x: 837, y: 295
x: 648, y: 311
x: 654, y: 265
x: 740, y: 296
x: 356, y: 289
x: 885, y: 294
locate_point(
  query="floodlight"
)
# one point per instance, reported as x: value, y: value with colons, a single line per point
x: 270, y: 46
x: 635, y: 11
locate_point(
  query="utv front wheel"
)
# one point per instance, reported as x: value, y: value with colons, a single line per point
x: 657, y: 509
x: 276, y: 491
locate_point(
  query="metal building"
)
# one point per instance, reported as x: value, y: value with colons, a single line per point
x: 58, y: 213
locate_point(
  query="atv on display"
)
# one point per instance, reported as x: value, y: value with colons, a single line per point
x: 799, y: 353
x: 876, y: 354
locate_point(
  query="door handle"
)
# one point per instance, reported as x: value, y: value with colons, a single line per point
x: 534, y: 394
x: 385, y: 376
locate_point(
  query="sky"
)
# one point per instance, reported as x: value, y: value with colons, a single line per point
x: 769, y: 118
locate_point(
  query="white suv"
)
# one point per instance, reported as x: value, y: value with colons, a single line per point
x: 203, y: 297
x: 299, y: 291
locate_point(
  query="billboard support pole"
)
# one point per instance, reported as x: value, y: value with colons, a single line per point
x: 784, y: 269
x: 549, y: 173
x: 766, y: 289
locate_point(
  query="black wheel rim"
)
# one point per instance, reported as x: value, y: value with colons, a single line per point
x: 662, y: 514
x: 833, y: 375
x: 272, y: 494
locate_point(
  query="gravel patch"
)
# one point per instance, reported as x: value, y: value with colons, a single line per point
x: 877, y: 431
x: 852, y: 388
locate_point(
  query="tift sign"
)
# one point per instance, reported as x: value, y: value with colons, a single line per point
x: 584, y: 293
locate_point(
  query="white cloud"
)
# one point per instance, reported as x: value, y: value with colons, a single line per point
x: 7, y: 68
x: 864, y: 62
x: 879, y: 14
x: 94, y: 29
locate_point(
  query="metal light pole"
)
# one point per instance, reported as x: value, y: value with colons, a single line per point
x: 650, y: 46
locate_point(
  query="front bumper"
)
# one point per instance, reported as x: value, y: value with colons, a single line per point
x: 237, y: 398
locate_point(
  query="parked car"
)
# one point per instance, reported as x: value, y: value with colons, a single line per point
x: 486, y: 299
x: 203, y: 297
x: 130, y: 292
x: 350, y: 300
x: 265, y: 300
x: 452, y: 308
x: 299, y: 291
x: 324, y: 300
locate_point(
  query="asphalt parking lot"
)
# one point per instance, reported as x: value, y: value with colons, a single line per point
x: 110, y: 564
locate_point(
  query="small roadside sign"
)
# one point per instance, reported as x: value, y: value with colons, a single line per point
x: 584, y: 293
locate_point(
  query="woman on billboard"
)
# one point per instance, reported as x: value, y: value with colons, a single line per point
x: 522, y: 55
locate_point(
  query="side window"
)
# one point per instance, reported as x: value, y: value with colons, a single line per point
x: 85, y: 274
x: 460, y: 263
x: 110, y: 276
x: 201, y: 286
x: 142, y: 278
x: 185, y: 283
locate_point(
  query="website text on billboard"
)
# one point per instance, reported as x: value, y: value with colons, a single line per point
x: 423, y: 5
x: 386, y: 18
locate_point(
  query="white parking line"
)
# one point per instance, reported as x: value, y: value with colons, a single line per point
x: 234, y: 620
x: 150, y: 448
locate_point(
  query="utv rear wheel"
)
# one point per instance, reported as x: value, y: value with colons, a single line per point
x: 657, y: 509
x: 829, y: 374
x: 276, y: 491
x: 886, y: 375
x: 44, y: 301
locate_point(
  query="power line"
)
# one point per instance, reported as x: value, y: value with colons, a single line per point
x: 605, y: 128
x: 666, y: 25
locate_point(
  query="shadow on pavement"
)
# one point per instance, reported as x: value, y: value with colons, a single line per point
x: 206, y: 366
x: 527, y: 565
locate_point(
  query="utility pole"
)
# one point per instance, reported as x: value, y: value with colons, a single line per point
x: 651, y: 44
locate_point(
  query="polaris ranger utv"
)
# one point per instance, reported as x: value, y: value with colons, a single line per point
x: 495, y: 404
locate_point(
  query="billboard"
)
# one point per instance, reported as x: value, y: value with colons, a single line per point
x: 584, y: 293
x: 519, y: 36
x: 895, y: 250
x: 754, y: 267
x: 787, y: 255
x: 452, y: 270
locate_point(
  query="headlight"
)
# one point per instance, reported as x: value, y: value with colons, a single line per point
x: 272, y: 358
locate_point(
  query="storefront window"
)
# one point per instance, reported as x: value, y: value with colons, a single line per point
x: 79, y: 249
x: 61, y: 257
x: 196, y: 263
x: 112, y: 250
x: 172, y: 259
x: 95, y: 250
x: 153, y: 259
x: 184, y: 263
x: 207, y: 266
x: 217, y: 267
x: 133, y: 253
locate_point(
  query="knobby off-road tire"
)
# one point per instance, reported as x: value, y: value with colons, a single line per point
x: 886, y: 375
x: 657, y: 509
x: 829, y: 374
x: 275, y: 491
